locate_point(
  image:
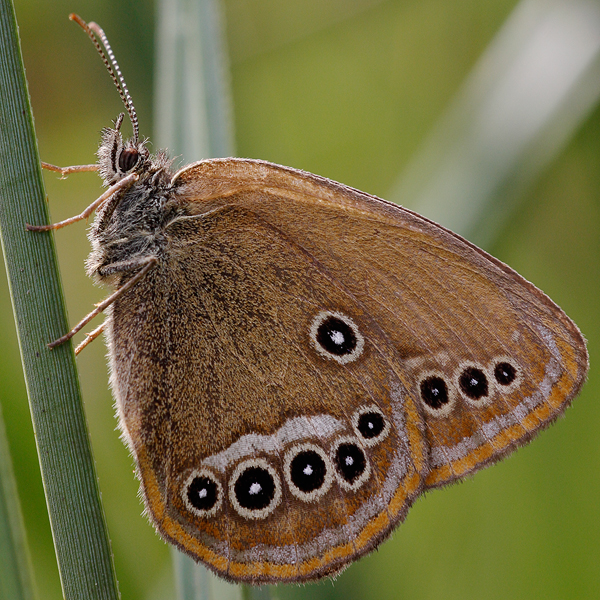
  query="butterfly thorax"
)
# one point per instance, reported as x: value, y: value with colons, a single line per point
x: 129, y: 225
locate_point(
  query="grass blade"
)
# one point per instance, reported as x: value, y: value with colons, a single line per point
x: 68, y: 472
x: 16, y: 579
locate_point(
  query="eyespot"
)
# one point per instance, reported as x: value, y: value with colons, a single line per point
x: 505, y: 373
x: 473, y: 383
x: 351, y: 464
x: 370, y: 425
x: 202, y: 493
x: 308, y: 472
x: 437, y: 399
x: 336, y: 336
x: 128, y: 159
x: 254, y: 489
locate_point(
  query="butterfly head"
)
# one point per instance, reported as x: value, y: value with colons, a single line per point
x: 118, y: 157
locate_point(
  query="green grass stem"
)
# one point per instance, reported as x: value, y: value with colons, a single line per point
x: 69, y: 476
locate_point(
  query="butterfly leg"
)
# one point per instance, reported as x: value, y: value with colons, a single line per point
x: 148, y: 263
x: 90, y: 337
x: 64, y: 171
x: 123, y: 184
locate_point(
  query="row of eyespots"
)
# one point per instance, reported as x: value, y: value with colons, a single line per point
x: 473, y: 382
x: 255, y: 487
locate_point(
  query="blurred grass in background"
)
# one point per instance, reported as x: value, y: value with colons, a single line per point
x: 348, y: 89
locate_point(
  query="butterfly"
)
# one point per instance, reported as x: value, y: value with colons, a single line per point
x: 294, y: 361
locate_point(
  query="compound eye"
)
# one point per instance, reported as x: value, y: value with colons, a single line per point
x: 128, y: 159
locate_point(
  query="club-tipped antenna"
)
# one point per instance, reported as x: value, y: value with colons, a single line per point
x: 112, y: 67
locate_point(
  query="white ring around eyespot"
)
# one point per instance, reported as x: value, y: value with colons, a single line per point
x: 446, y: 409
x: 346, y: 358
x: 184, y: 494
x: 506, y: 389
x: 365, y: 474
x: 484, y: 401
x: 369, y: 442
x: 267, y: 510
x: 287, y: 473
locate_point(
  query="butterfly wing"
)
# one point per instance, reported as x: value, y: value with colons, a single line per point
x: 254, y: 448
x: 306, y: 359
x: 509, y: 358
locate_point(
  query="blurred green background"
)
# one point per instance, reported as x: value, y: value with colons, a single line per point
x: 348, y: 89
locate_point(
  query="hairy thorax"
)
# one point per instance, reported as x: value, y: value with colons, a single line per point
x: 129, y: 226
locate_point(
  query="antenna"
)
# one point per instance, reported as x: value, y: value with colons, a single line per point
x: 112, y: 67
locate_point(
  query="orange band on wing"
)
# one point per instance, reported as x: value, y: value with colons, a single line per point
x: 335, y: 557
x: 552, y: 406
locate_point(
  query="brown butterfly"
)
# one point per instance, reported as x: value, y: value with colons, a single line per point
x: 295, y: 361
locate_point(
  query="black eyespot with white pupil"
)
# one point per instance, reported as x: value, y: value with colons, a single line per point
x: 505, y: 373
x: 307, y: 471
x: 255, y: 488
x: 434, y: 392
x: 128, y: 159
x: 473, y: 383
x: 350, y: 462
x: 203, y: 493
x: 370, y: 425
x: 336, y: 336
